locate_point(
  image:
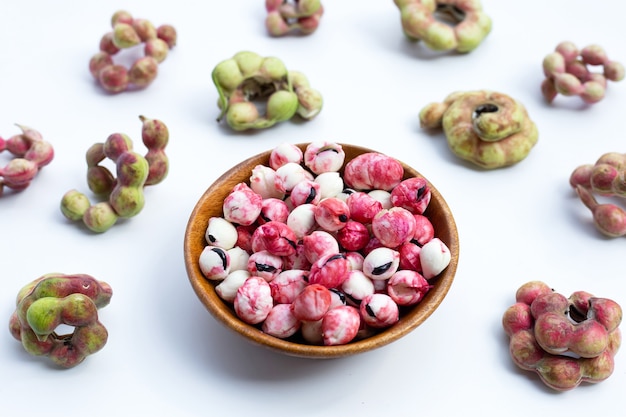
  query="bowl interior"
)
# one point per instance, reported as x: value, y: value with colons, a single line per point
x: 210, y: 205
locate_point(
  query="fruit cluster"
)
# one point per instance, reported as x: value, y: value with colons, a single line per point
x: 247, y: 78
x: 124, y: 193
x: 53, y: 300
x: 564, y: 340
x: 129, y: 32
x: 31, y: 154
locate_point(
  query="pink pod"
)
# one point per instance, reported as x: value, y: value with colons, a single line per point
x: 263, y: 182
x: 305, y: 192
x: 424, y: 230
x: 253, y: 301
x: 371, y: 171
x: 288, y: 175
x: 354, y: 236
x: 302, y: 220
x: 412, y: 194
x: 285, y: 153
x: 363, y: 207
x: 340, y: 325
x: 288, y: 285
x: 265, y: 265
x: 407, y: 287
x: 242, y: 205
x: 318, y: 244
x: 379, y: 311
x: 381, y: 263
x: 410, y: 257
x: 394, y: 226
x: 214, y: 262
x: 275, y: 237
x: 281, y: 322
x: 323, y: 156
x: 330, y: 271
x: 273, y: 209
x: 332, y: 214
x: 517, y: 318
x: 312, y: 303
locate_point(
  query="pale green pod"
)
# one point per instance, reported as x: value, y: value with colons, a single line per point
x: 440, y: 37
x: 310, y: 102
x: 125, y: 36
x: 240, y: 116
x: 74, y: 204
x: 227, y: 76
x: 127, y: 201
x: 273, y: 69
x: 249, y: 63
x: 470, y: 35
x: 100, y: 217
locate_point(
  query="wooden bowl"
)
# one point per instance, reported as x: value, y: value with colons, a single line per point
x: 210, y: 205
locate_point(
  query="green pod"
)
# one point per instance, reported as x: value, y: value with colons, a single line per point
x: 100, y: 180
x: 43, y: 316
x: 127, y: 201
x: 282, y: 105
x: 95, y: 154
x: 132, y: 170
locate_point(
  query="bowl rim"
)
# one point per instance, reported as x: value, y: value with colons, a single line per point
x: 219, y: 309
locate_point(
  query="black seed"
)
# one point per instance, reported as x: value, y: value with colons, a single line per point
x: 342, y: 296
x: 369, y: 310
x: 420, y: 192
x: 264, y: 217
x: 415, y: 242
x: 265, y: 268
x: 212, y: 238
x: 338, y: 256
x: 379, y: 270
x: 220, y: 252
x: 312, y: 195
x: 485, y: 108
x: 343, y: 218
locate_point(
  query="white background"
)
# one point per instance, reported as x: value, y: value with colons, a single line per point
x: 166, y: 355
